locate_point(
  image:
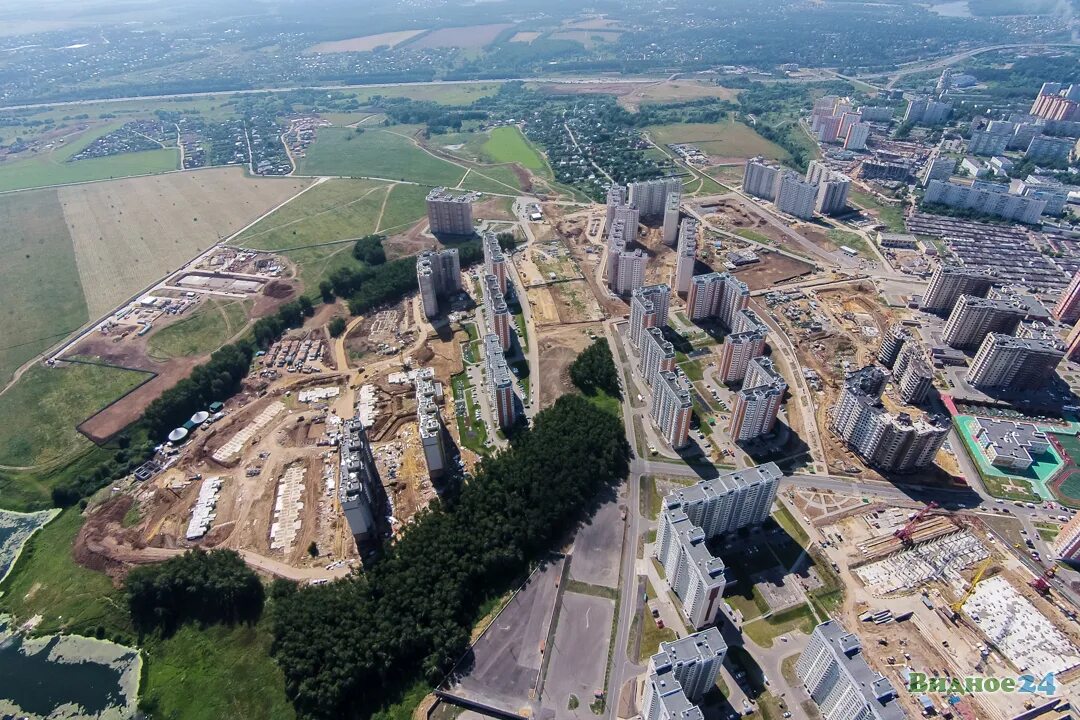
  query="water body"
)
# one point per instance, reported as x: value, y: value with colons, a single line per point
x: 67, y: 677
x: 15, y: 530
x: 956, y: 9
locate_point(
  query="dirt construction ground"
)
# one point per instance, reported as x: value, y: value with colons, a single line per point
x: 773, y: 269
x: 559, y: 346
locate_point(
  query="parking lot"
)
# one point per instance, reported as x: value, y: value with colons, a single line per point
x: 578, y: 656
x: 597, y: 545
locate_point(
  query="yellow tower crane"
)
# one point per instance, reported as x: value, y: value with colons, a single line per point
x: 959, y: 604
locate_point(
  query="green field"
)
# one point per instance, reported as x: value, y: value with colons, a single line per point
x: 472, y: 434
x: 765, y: 630
x: 891, y: 215
x: 228, y: 669
x: 206, y: 329
x: 729, y: 139
x: 41, y: 296
x: 852, y: 240
x: 53, y: 168
x: 506, y: 144
x: 47, y: 581
x: 311, y: 229
x: 39, y: 413
x: 387, y: 153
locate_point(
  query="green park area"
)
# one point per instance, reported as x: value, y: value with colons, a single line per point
x: 472, y: 432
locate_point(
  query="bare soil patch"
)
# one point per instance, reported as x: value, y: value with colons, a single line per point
x: 559, y: 346
x: 773, y: 269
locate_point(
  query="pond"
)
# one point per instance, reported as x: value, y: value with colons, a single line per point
x: 67, y: 676
x: 956, y: 9
x: 15, y: 530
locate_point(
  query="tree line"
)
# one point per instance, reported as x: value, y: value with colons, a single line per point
x: 594, y: 370
x: 350, y: 647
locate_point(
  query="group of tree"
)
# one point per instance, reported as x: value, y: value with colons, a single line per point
x: 369, y: 250
x: 198, y: 586
x: 349, y: 647
x: 594, y: 369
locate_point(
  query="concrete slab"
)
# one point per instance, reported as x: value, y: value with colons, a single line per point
x: 504, y: 664
x: 597, y: 546
x: 579, y: 655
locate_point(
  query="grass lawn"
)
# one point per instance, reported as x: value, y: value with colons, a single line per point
x: 209, y: 327
x: 40, y: 290
x: 506, y: 144
x: 650, y: 498
x: 39, y: 413
x: 228, y: 669
x: 1047, y: 531
x: 497, y: 179
x: 791, y: 526
x: 750, y: 607
x: 693, y: 370
x: 47, y: 581
x: 755, y: 236
x: 472, y: 433
x: 765, y: 630
x: 53, y: 168
x: 378, y: 152
x: 850, y: 239
x: 606, y: 402
x: 890, y: 215
x: 652, y: 636
x: 729, y: 138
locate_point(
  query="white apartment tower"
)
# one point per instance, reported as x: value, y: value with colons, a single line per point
x: 857, y: 135
x: 686, y: 255
x: 497, y: 313
x: 838, y: 678
x: 657, y: 355
x: 743, y: 344
x: 718, y: 295
x: 671, y: 218
x: 616, y: 196
x: 974, y: 318
x: 494, y: 261
x: 651, y: 196
x: 429, y: 393
x: 761, y: 178
x: 1016, y: 363
x: 795, y: 196
x: 450, y: 213
x: 680, y: 674
x: 949, y: 282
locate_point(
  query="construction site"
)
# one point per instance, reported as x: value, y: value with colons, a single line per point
x: 939, y: 593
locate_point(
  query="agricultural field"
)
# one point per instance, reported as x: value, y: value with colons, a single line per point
x: 725, y: 140
x: 53, y: 167
x: 472, y: 36
x: 40, y: 290
x: 365, y: 43
x: 214, y: 324
x: 38, y: 414
x: 311, y: 230
x: 380, y: 153
x: 129, y: 233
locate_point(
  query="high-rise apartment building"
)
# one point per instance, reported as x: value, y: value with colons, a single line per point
x: 670, y: 409
x: 625, y: 268
x: 671, y: 218
x: 616, y: 196
x: 760, y: 178
x: 631, y: 272
x: 892, y: 443
x: 449, y: 212
x: 494, y: 260
x: 745, y: 342
x: 856, y: 137
x: 876, y: 113
x: 685, y: 255
x: 949, y: 282
x: 691, y: 515
x: 1067, y: 309
x: 359, y: 481
x: 497, y: 312
x: 912, y: 373
x: 941, y: 167
x: 1048, y: 149
x: 1072, y: 344
x: 832, y: 194
x: 758, y: 403
x: 438, y: 274
x: 1016, y: 363
x: 924, y: 111
x: 892, y: 341
x: 1067, y: 543
x: 1041, y: 187
x: 648, y: 308
x: 795, y: 196
x: 429, y: 394
x: 679, y: 675
x: 985, y: 197
x: 651, y: 196
x: 657, y: 355
x: 500, y: 382
x: 974, y: 318
x: 718, y: 295
x: 828, y: 128
x: 838, y: 678
x: 990, y: 141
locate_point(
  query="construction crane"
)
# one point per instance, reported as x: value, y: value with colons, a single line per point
x: 1042, y: 583
x: 905, y: 533
x: 959, y: 604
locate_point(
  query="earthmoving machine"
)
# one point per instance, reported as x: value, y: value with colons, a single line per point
x: 1042, y: 583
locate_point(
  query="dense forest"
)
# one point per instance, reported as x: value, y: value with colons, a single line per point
x: 348, y: 647
x: 594, y: 369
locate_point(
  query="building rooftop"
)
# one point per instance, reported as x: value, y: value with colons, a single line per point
x: 877, y: 691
